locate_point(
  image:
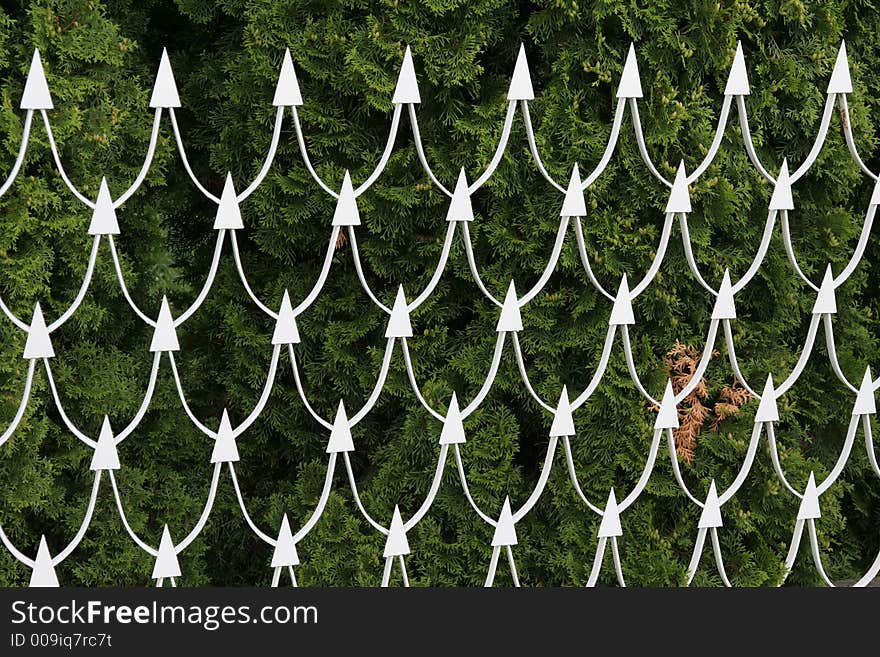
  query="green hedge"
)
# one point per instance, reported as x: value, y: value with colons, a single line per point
x: 100, y: 58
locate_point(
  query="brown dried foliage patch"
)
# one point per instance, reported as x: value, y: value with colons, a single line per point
x: 696, y: 410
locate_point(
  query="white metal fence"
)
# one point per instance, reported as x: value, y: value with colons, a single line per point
x: 37, y: 99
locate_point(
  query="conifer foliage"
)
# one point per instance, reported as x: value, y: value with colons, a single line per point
x: 100, y: 58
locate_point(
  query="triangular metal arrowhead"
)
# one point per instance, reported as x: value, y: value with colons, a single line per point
x: 622, y: 311
x: 738, y: 79
x: 285, y: 553
x: 460, y: 208
x: 711, y: 515
x: 398, y: 324
x: 840, y: 82
x: 826, y: 300
x: 43, y: 573
x: 225, y: 449
x: 286, y: 330
x: 782, y: 198
x: 104, y: 215
x: 725, y: 308
x: 396, y: 544
x: 340, y: 435
x: 809, y: 508
x: 346, y: 212
x: 36, y: 94
x: 563, y: 422
x: 166, y: 561
x: 105, y: 456
x: 407, y: 89
x: 521, y: 82
x: 667, y: 418
x: 165, y: 335
x: 679, y: 195
x: 574, y: 204
x: 228, y: 212
x: 287, y: 90
x: 505, y: 530
x: 164, y: 89
x: 865, y: 404
x: 38, y: 343
x: 453, y: 427
x: 510, y: 319
x: 630, y: 84
x: 875, y: 195
x: 767, y: 409
x: 610, y: 525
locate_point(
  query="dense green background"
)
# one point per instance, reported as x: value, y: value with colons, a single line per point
x: 100, y: 59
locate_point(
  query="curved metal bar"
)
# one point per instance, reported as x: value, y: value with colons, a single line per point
x: 582, y: 251
x: 572, y: 473
x: 499, y: 150
x: 469, y: 250
x: 148, y: 161
x: 525, y: 375
x: 532, y: 500
x: 490, y: 378
x: 609, y: 147
x: 22, y: 405
x: 55, y: 155
x: 420, y: 150
x: 357, y: 498
x: 467, y: 492
x: 747, y: 139
x: 533, y: 147
x: 432, y: 492
x: 360, y: 272
x: 84, y: 286
x: 70, y: 425
x: 206, y: 512
x: 550, y: 267
x: 22, y: 151
x: 322, y: 501
x: 256, y: 530
x: 410, y: 372
x: 438, y: 271
x: 324, y: 423
x: 209, y: 281
x: 270, y: 157
x: 87, y: 519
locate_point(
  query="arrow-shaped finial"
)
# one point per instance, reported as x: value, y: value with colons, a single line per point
x: 738, y: 79
x: 453, y: 427
x: 521, y: 82
x: 840, y: 82
x: 679, y: 195
x: 510, y: 319
x: 346, y: 213
x: 782, y: 199
x: 622, y: 311
x: 225, y: 449
x: 105, y: 456
x: 398, y: 324
x: 407, y: 89
x: 563, y: 422
x: 164, y: 89
x: 38, y: 344
x: 36, y: 94
x: 574, y: 205
x: 165, y: 335
x: 287, y: 90
x: 630, y: 83
x: 340, y: 435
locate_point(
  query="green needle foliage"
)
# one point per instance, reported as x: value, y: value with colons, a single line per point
x: 100, y: 59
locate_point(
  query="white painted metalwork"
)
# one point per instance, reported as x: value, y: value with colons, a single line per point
x: 229, y: 220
